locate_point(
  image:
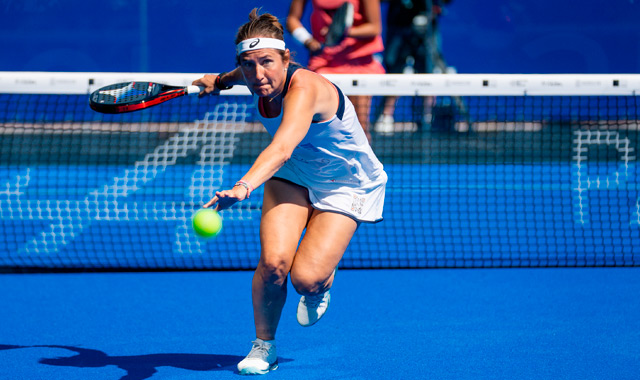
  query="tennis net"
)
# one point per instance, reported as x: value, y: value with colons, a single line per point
x: 484, y: 171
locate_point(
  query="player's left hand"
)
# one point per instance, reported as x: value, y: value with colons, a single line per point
x: 227, y: 198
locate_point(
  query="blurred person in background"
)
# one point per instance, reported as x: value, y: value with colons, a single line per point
x: 350, y: 53
x: 412, y: 45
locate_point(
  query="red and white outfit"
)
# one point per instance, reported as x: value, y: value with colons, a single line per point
x: 352, y: 55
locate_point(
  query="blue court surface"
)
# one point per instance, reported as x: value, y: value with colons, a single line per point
x: 554, y: 323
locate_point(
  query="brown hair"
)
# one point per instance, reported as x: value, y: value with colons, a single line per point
x: 264, y: 25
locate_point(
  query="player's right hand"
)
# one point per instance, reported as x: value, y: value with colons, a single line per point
x: 209, y: 83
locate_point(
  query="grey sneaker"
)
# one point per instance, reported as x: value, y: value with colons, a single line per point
x: 312, y: 308
x: 261, y: 359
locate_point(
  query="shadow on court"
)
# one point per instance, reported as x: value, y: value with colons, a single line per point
x: 138, y: 367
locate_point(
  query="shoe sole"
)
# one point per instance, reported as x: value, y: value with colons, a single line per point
x: 254, y: 371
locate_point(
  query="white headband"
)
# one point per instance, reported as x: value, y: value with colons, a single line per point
x: 259, y: 43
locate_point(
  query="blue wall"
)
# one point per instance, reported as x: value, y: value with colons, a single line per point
x: 520, y: 36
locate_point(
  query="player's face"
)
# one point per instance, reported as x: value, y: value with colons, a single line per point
x: 264, y: 71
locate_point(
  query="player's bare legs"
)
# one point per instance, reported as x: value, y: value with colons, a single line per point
x: 327, y: 237
x: 285, y: 212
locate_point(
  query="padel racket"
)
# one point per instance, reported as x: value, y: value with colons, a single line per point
x: 342, y: 20
x: 135, y: 96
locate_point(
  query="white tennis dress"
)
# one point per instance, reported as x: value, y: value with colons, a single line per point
x: 335, y: 163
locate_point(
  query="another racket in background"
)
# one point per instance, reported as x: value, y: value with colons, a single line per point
x: 135, y: 96
x: 342, y: 20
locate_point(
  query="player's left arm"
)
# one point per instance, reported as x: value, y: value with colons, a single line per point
x: 298, y: 110
x: 372, y: 25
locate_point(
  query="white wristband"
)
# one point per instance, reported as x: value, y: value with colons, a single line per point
x: 301, y: 35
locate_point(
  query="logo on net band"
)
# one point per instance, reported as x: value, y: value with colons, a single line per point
x: 254, y: 43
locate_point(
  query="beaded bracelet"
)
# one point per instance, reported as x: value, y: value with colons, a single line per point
x: 246, y: 185
x: 219, y: 85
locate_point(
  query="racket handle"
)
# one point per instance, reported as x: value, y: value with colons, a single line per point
x: 191, y: 90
